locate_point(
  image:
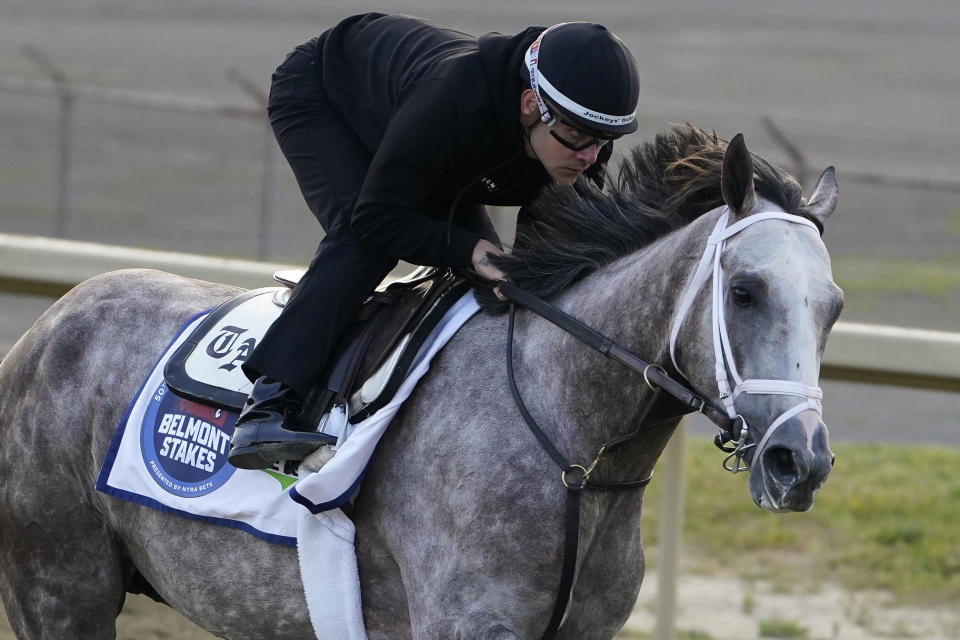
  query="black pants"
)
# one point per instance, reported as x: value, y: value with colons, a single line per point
x: 330, y: 164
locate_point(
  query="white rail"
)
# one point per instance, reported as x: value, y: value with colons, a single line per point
x: 51, y: 266
x: 860, y: 352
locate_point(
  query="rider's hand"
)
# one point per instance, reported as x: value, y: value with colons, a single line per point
x: 483, y: 266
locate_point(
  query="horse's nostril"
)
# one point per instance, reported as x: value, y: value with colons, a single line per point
x: 782, y: 463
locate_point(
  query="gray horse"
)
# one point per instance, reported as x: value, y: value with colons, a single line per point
x: 460, y: 518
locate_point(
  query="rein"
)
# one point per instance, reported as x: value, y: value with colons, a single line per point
x: 576, y: 482
x: 653, y: 374
x: 576, y: 477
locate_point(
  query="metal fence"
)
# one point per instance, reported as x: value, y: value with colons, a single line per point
x: 189, y: 157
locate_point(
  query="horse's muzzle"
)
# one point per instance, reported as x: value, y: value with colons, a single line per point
x: 792, y: 468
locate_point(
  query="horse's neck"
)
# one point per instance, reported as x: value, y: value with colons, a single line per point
x: 582, y: 396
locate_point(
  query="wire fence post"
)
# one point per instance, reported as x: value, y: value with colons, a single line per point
x: 65, y: 142
x: 269, y: 160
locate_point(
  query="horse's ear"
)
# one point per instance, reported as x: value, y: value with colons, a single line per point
x: 824, y: 198
x: 737, y: 178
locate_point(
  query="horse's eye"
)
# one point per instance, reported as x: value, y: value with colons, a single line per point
x: 741, y: 297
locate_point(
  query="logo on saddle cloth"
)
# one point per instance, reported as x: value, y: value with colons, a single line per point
x: 207, y: 367
x: 185, y: 444
x: 225, y: 344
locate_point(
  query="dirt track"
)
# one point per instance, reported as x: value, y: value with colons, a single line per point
x: 869, y: 90
x: 726, y: 608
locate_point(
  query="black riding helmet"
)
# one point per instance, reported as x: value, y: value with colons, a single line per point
x: 586, y: 76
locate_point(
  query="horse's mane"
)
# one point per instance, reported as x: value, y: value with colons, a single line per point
x: 569, y: 232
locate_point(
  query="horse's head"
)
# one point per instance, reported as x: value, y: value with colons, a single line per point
x: 752, y: 328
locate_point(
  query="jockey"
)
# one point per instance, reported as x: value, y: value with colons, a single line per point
x: 398, y: 132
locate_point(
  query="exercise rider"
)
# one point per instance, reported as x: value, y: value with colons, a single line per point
x: 398, y: 131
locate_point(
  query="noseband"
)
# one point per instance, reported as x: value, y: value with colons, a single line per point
x: 740, y: 438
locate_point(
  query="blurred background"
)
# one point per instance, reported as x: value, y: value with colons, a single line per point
x: 141, y: 123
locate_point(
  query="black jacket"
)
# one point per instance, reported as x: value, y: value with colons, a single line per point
x: 439, y: 112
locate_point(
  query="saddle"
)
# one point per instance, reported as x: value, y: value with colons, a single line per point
x: 365, y: 370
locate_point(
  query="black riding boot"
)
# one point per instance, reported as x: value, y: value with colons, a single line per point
x: 268, y: 429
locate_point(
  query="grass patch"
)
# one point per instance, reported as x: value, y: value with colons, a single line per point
x: 886, y: 519
x: 777, y: 628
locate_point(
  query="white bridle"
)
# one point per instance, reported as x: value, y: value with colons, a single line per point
x: 723, y: 353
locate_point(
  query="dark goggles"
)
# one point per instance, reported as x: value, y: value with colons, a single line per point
x: 576, y: 139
